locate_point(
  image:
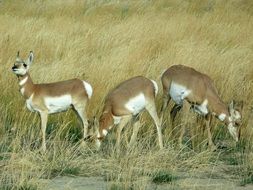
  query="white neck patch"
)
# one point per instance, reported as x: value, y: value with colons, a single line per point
x: 116, y: 119
x: 22, y: 82
x: 222, y: 116
x: 105, y: 132
x: 22, y: 90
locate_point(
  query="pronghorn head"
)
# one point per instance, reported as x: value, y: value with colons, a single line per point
x: 94, y: 131
x: 235, y: 119
x: 21, y: 66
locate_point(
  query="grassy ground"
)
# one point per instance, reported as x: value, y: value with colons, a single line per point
x: 108, y: 41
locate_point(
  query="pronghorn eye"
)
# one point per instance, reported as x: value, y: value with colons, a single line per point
x: 25, y: 65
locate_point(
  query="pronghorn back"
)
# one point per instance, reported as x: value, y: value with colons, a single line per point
x: 76, y: 87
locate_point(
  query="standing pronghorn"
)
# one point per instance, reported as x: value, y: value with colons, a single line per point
x: 125, y: 101
x: 52, y: 97
x: 184, y: 83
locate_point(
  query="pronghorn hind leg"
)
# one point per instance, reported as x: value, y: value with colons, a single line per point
x: 186, y: 116
x: 136, y: 127
x: 43, y: 117
x: 82, y: 114
x: 173, y: 113
x: 151, y: 108
x: 166, y: 100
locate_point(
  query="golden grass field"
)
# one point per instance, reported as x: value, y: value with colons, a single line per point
x: 105, y: 42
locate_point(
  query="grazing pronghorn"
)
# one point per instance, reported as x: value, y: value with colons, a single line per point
x: 52, y: 97
x: 126, y: 101
x: 184, y: 83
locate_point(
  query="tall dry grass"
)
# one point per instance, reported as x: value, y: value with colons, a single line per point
x: 105, y: 42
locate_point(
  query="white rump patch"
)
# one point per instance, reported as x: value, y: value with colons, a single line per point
x: 88, y: 89
x: 178, y: 93
x: 136, y: 104
x: 222, y: 116
x: 58, y: 104
x: 155, y: 86
x: 22, y: 82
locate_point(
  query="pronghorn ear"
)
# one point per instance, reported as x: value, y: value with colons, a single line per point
x: 30, y: 58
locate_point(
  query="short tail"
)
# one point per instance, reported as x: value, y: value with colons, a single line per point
x: 155, y: 87
x: 88, y: 89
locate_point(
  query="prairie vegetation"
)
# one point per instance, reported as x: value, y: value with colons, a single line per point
x: 108, y: 41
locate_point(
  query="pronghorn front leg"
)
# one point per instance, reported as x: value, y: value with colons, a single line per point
x: 121, y: 125
x: 210, y: 141
x: 43, y: 117
x: 82, y: 114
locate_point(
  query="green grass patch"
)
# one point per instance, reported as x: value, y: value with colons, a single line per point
x: 120, y: 186
x: 67, y: 171
x: 163, y: 177
x: 247, y: 179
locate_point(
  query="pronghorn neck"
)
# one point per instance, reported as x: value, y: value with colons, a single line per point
x: 26, y: 85
x: 220, y: 109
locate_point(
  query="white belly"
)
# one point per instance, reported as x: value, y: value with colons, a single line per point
x: 136, y: 104
x: 58, y: 104
x: 178, y: 93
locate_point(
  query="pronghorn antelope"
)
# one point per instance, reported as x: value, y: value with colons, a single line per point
x: 184, y: 83
x: 126, y: 101
x: 52, y: 97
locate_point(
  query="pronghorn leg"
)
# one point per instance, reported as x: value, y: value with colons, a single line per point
x: 173, y: 113
x: 166, y: 100
x: 43, y: 117
x: 186, y: 116
x: 136, y: 127
x: 82, y: 114
x: 152, y: 111
x: 210, y: 141
x: 121, y: 125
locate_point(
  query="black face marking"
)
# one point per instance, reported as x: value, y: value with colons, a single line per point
x: 25, y: 65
